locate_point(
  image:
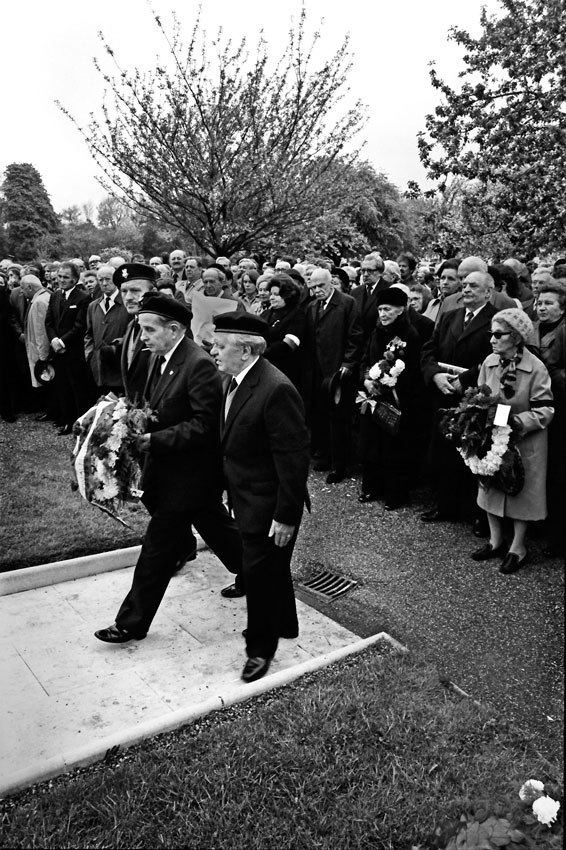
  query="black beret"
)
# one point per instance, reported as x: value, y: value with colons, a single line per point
x: 393, y: 296
x: 164, y: 305
x: 134, y: 271
x: 241, y: 323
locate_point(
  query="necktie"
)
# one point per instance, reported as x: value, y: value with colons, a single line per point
x: 230, y: 396
x: 107, y: 304
x: 159, y: 361
x: 468, y: 318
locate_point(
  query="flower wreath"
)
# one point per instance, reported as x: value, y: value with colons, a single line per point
x: 493, y: 460
x: 488, y: 450
x: 105, y: 459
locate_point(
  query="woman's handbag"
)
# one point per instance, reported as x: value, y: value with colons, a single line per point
x: 387, y: 417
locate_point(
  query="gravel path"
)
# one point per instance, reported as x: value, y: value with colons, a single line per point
x: 500, y: 638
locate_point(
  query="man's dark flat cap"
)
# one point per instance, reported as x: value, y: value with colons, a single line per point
x: 164, y: 305
x: 241, y: 323
x: 134, y: 271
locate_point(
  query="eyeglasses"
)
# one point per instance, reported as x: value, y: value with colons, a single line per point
x: 369, y: 271
x: 498, y: 334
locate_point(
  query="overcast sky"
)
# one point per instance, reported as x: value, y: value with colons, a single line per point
x: 48, y: 48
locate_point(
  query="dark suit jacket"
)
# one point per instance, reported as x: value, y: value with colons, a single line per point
x: 265, y: 450
x: 183, y: 465
x: 134, y: 376
x: 286, y: 359
x: 101, y: 329
x: 66, y: 319
x: 334, y: 339
x: 367, y: 306
x: 450, y: 343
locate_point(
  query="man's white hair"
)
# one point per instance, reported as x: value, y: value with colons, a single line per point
x: 256, y: 343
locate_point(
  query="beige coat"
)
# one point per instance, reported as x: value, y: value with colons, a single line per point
x: 37, y: 341
x: 528, y: 403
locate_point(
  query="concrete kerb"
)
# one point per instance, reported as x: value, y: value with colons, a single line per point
x: 240, y: 692
x: 30, y: 578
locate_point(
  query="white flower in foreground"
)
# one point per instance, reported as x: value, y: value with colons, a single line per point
x: 531, y: 790
x: 375, y: 372
x: 397, y: 369
x: 546, y: 809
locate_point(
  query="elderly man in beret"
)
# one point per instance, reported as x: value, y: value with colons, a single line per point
x: 266, y: 460
x: 134, y: 280
x: 182, y: 473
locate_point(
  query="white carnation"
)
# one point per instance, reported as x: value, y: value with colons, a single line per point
x: 375, y: 372
x: 546, y: 810
x: 397, y: 369
x: 531, y: 790
x: 388, y: 381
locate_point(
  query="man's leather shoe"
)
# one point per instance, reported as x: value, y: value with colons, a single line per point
x: 366, y: 497
x: 43, y: 417
x: 434, y: 515
x: 487, y: 552
x: 335, y: 476
x: 65, y: 430
x: 512, y: 563
x: 321, y: 465
x: 114, y: 634
x: 255, y: 668
x: 232, y: 592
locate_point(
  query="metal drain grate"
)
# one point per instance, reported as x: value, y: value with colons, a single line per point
x: 328, y: 585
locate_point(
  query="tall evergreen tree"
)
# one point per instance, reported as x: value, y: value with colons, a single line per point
x: 31, y: 224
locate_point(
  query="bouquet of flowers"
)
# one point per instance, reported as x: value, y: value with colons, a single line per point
x: 105, y: 459
x: 489, y: 450
x: 383, y: 375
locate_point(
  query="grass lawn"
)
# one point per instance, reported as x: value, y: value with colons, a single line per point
x: 41, y: 518
x: 371, y: 753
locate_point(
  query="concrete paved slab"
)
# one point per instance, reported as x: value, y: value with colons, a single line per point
x: 67, y: 698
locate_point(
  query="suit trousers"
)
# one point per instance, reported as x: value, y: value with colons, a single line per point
x: 270, y: 598
x: 331, y: 429
x: 73, y: 385
x: 164, y: 543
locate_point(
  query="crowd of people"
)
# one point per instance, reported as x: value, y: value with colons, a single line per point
x: 354, y: 340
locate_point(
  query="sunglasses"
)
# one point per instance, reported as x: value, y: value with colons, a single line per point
x: 498, y: 334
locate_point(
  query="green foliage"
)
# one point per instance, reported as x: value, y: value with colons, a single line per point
x: 32, y: 227
x: 231, y: 151
x: 506, y: 126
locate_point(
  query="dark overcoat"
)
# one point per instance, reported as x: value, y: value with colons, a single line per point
x: 265, y: 451
x: 102, y: 329
x: 183, y: 465
x: 458, y: 346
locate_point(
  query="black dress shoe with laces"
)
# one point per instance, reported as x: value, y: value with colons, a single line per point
x: 487, y: 552
x: 65, y: 431
x: 114, y: 634
x: 232, y: 592
x: 254, y: 668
